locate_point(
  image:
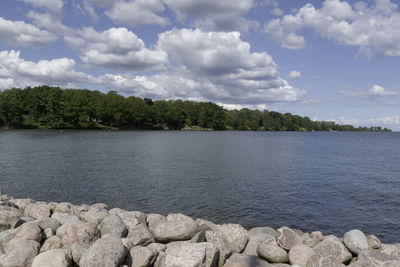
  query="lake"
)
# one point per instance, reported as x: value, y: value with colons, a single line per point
x: 328, y: 181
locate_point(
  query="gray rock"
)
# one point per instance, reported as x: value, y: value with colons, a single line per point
x: 53, y: 242
x: 84, y: 234
x: 94, y: 214
x: 355, y: 241
x: 8, y: 217
x: 323, y: 261
x: 333, y: 246
x: 22, y: 202
x: 189, y: 255
x: 37, y: 210
x: 316, y: 237
x: 138, y: 235
x: 154, y: 219
x: 178, y: 227
x: 272, y: 253
x: 77, y: 210
x: 27, y: 231
x: 21, y: 255
x: 77, y: 251
x: 300, y: 254
x: 69, y: 220
x: 64, y: 207
x: 238, y: 260
x: 48, y: 233
x: 107, y: 251
x: 113, y: 224
x: 374, y: 258
x: 257, y: 236
x: 141, y: 257
x: 99, y: 206
x: 392, y: 250
x: 53, y: 258
x: 47, y: 222
x: 287, y: 238
x: 157, y: 247
x: 374, y: 242
x: 199, y: 237
x: 206, y: 225
x: 65, y: 218
x: 3, y: 236
x: 128, y: 217
x: 23, y: 220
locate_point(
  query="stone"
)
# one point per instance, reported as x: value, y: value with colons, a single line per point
x: 21, y: 203
x: 238, y: 260
x: 323, y: 261
x: 27, y: 231
x: 392, y: 250
x: 48, y: 233
x: 37, y: 210
x: 64, y: 207
x: 23, y: 220
x: 316, y: 237
x: 47, y: 222
x: 178, y: 227
x: 53, y: 242
x: 77, y: 210
x: 157, y: 247
x: 199, y: 237
x: 189, y: 255
x: 103, y: 206
x: 53, y: 258
x: 107, y: 251
x: 138, y: 235
x: 287, y: 238
x: 77, y: 251
x: 84, y: 234
x: 141, y: 257
x: 272, y: 253
x: 94, y: 214
x: 128, y: 217
x: 8, y: 217
x: 113, y: 224
x: 69, y: 220
x: 374, y: 258
x: 258, y: 235
x: 21, y: 255
x: 206, y: 225
x: 300, y: 254
x: 65, y: 218
x: 154, y: 219
x: 374, y: 242
x: 355, y: 241
x: 333, y: 246
x: 3, y: 236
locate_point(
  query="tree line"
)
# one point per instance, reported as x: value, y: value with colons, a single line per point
x: 46, y: 107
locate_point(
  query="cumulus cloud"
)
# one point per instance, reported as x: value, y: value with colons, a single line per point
x: 374, y: 92
x: 222, y: 15
x: 294, y: 74
x: 392, y: 122
x: 18, y: 72
x: 116, y: 48
x: 138, y: 12
x: 375, y: 27
x: 21, y: 33
x: 54, y: 6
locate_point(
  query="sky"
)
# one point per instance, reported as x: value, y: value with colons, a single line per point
x: 328, y: 60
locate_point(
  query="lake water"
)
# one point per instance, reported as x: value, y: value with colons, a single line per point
x: 328, y: 181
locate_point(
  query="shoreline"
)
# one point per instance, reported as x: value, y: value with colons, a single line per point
x: 35, y: 233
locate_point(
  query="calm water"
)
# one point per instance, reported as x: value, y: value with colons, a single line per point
x: 332, y: 182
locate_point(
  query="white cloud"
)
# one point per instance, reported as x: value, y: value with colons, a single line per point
x: 21, y: 33
x: 277, y: 12
x: 222, y: 15
x: 138, y: 12
x: 374, y: 92
x: 54, y: 6
x: 375, y: 27
x: 116, y: 48
x: 17, y: 72
x: 391, y: 122
x: 294, y: 74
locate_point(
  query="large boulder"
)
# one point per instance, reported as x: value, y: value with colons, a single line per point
x: 333, y: 246
x: 272, y: 253
x: 3, y: 236
x: 47, y: 222
x: 21, y: 255
x: 94, y: 214
x: 37, y: 210
x: 178, y: 227
x: 287, y: 238
x: 374, y: 242
x: 257, y: 236
x: 21, y: 203
x: 300, y: 254
x: 53, y: 258
x: 66, y: 220
x: 154, y: 219
x: 141, y: 257
x: 64, y: 207
x: 84, y: 234
x: 27, y: 231
x: 113, y: 224
x: 138, y: 235
x: 323, y: 261
x: 130, y: 218
x: 355, y: 241
x: 107, y: 251
x: 392, y: 250
x: 373, y: 258
x: 53, y: 242
x: 239, y: 260
x: 8, y: 217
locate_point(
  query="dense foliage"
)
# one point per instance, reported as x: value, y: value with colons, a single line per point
x: 52, y: 107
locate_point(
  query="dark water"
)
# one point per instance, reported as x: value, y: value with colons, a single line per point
x: 331, y: 182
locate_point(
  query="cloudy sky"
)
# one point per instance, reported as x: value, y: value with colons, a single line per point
x: 329, y: 60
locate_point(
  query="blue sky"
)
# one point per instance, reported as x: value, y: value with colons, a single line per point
x: 328, y: 60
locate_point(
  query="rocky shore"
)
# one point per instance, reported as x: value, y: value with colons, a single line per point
x: 43, y: 234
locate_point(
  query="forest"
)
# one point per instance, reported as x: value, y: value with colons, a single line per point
x: 46, y: 107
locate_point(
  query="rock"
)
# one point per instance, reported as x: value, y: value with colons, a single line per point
x: 392, y: 250
x: 189, y: 255
x: 77, y: 210
x: 316, y: 237
x: 323, y: 261
x: 128, y: 217
x: 139, y: 235
x: 27, y: 231
x: 99, y: 206
x: 258, y: 235
x: 77, y: 251
x: 287, y: 238
x: 199, y: 237
x: 69, y: 220
x: 238, y: 260
x: 3, y: 236
x: 205, y: 225
x: 141, y: 257
x: 23, y: 220
x: 300, y: 254
x: 48, y: 233
x: 113, y: 224
x: 154, y: 219
x: 37, y: 210
x: 21, y: 255
x: 8, y: 217
x: 47, y: 222
x: 333, y: 246
x: 65, y: 218
x: 157, y: 247
x: 53, y: 258
x: 94, y: 214
x: 355, y: 241
x: 374, y: 258
x: 272, y: 253
x: 177, y: 228
x: 64, y: 207
x: 84, y: 234
x: 374, y: 242
x: 22, y: 202
x: 53, y: 242
x: 107, y: 251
